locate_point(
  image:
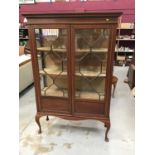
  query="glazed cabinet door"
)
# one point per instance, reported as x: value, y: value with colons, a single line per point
x: 90, y: 59
x: 52, y: 54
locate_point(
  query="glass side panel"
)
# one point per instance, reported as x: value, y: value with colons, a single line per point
x: 52, y: 59
x: 91, y: 47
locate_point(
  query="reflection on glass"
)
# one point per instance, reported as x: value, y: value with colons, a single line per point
x: 91, y: 47
x: 52, y: 60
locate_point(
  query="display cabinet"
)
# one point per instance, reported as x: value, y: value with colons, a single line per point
x: 72, y: 56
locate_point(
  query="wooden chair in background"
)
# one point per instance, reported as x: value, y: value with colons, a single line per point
x: 114, y: 83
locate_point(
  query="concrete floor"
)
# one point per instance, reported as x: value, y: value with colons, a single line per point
x: 63, y: 137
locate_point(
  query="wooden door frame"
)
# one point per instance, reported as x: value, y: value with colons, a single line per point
x: 107, y: 79
x: 35, y: 64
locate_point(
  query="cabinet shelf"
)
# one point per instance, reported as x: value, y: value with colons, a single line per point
x: 91, y: 74
x: 97, y: 50
x: 47, y: 49
x: 125, y: 39
x: 54, y: 91
x: 88, y: 95
x: 124, y: 51
x: 119, y: 28
x: 56, y: 72
x: 52, y: 72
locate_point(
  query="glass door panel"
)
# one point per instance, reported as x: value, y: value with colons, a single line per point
x: 91, y: 47
x: 52, y: 59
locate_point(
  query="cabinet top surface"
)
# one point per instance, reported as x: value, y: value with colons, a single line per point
x: 74, y: 15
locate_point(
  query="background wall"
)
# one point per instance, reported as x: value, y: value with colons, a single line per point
x: 125, y: 6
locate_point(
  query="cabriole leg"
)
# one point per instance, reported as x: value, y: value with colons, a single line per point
x: 37, y: 119
x: 114, y: 87
x: 107, y: 125
x: 47, y: 118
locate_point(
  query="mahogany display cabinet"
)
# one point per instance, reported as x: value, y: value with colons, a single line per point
x: 72, y: 58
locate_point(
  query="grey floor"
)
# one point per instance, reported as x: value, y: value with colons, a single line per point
x: 63, y: 137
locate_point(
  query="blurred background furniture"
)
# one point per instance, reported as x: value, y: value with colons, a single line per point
x: 131, y: 76
x: 114, y: 83
x: 25, y: 69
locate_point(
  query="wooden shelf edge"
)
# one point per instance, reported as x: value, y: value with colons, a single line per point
x: 57, y: 72
x: 125, y: 39
x: 47, y: 49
